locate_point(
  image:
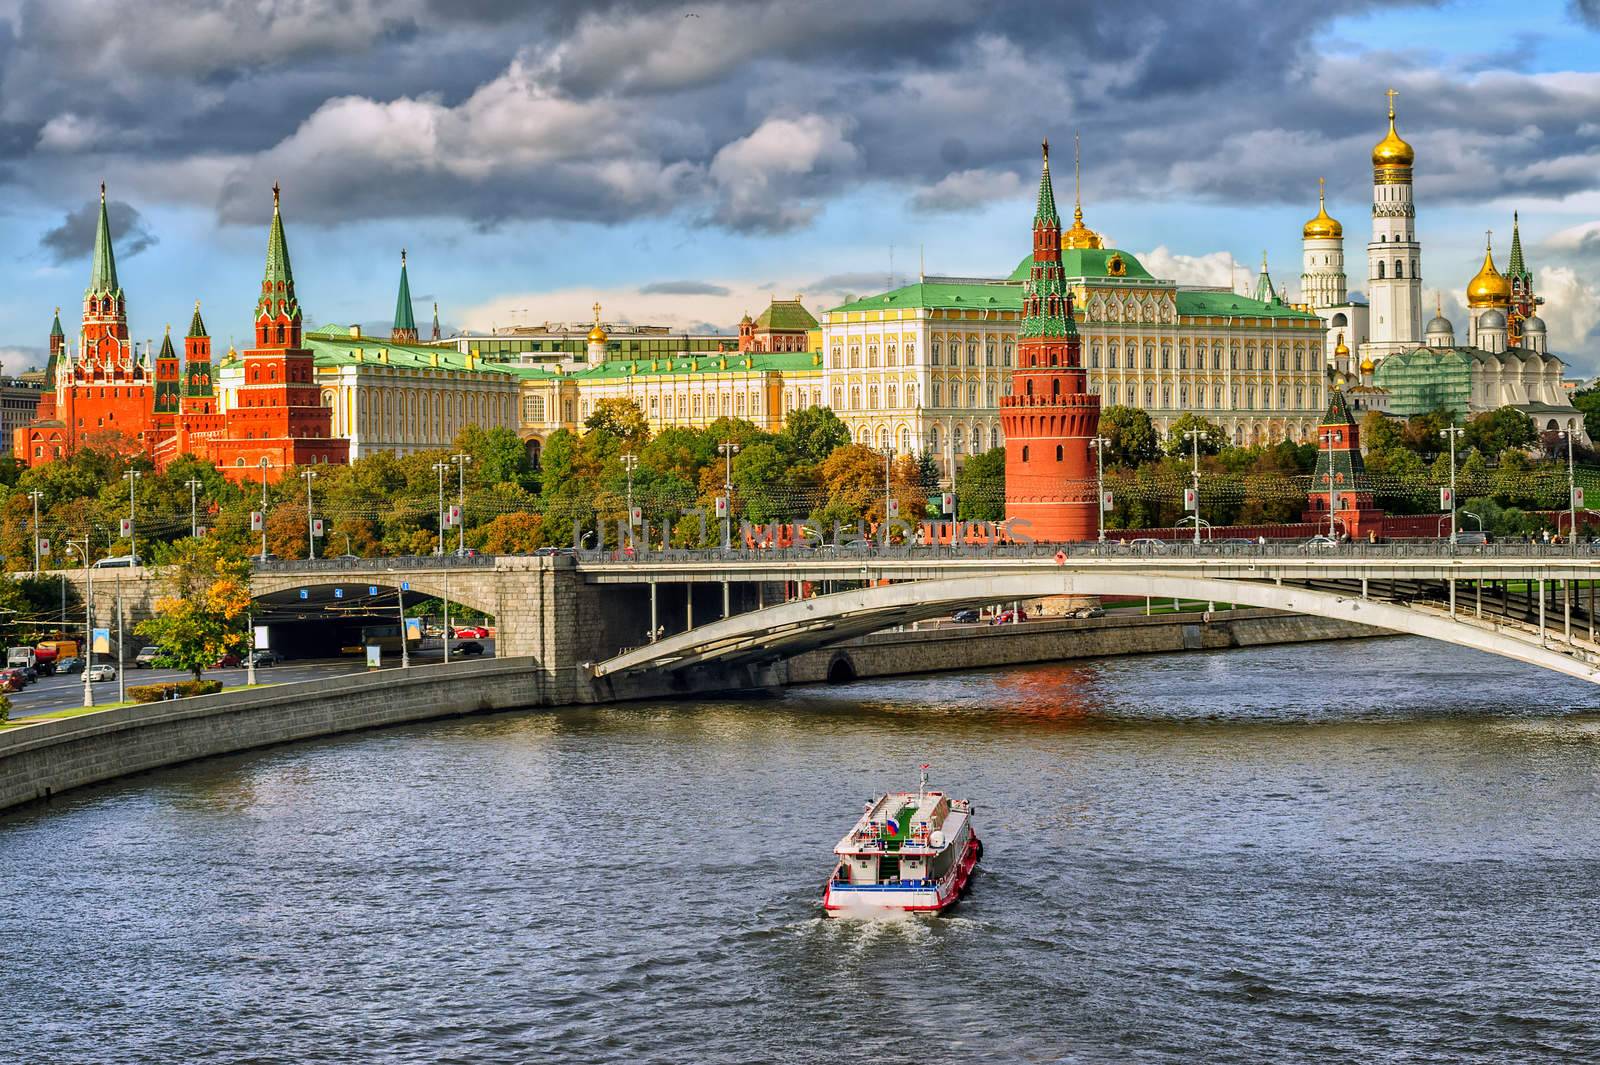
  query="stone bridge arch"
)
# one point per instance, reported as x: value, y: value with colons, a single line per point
x: 477, y: 590
x: 782, y: 631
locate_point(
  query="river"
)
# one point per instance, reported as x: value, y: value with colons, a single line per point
x: 1359, y: 851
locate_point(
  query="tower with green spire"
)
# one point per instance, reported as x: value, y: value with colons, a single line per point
x: 1049, y: 417
x: 405, y: 322
x: 168, y: 386
x: 1264, y: 290
x: 198, y: 396
x: 105, y: 313
x: 278, y: 316
x: 46, y: 407
x: 1524, y: 304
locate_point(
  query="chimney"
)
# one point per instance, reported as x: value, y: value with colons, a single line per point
x: 355, y: 332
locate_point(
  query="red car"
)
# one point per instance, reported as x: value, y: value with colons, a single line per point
x: 11, y: 680
x: 227, y: 661
x: 472, y: 632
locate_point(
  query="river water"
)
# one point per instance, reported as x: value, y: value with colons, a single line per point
x: 1362, y: 851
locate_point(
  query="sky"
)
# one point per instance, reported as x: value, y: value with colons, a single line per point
x: 684, y: 163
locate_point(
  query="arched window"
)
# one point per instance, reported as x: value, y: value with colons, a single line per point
x: 933, y: 438
x: 1380, y: 269
x: 972, y: 353
x: 977, y: 440
x: 1133, y: 394
x: 972, y: 395
x: 1166, y: 357
x: 1166, y: 395
x: 1399, y: 268
x: 1094, y: 355
x: 1005, y: 358
x: 1149, y: 356
x: 988, y: 354
x: 1111, y: 355
x: 872, y: 355
x: 855, y: 397
x: 1149, y: 395
x: 1183, y: 355
x: 938, y: 390
x: 891, y: 393
x: 1024, y: 452
x: 1183, y: 395
x: 1059, y: 452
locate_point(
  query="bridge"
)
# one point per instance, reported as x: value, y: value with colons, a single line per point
x: 599, y: 623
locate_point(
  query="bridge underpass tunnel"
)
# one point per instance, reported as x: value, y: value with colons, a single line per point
x: 683, y: 605
x: 317, y: 621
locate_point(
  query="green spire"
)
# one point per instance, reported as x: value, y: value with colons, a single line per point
x: 103, y: 278
x: 1264, y: 291
x: 55, y: 326
x: 1045, y: 213
x: 1518, y: 268
x: 405, y: 323
x: 277, y: 283
x: 197, y: 327
x: 167, y: 394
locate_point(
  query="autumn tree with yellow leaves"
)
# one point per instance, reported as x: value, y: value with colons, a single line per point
x: 207, y: 614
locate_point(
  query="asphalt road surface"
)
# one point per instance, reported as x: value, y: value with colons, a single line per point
x: 66, y: 692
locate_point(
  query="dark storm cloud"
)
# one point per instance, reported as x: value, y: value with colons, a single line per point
x: 1586, y: 11
x: 73, y: 239
x: 750, y: 116
x: 683, y: 288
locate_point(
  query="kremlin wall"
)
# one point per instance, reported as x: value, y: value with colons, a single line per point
x: 948, y: 366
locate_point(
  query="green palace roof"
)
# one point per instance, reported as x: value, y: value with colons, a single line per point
x: 1088, y: 262
x: 977, y: 295
x: 788, y: 316
x: 706, y: 363
x: 1225, y: 304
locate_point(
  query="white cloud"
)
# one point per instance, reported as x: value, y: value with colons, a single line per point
x: 762, y: 179
x: 1210, y: 269
x: 70, y: 133
x: 968, y: 190
x: 14, y: 360
x: 718, y: 310
x: 1571, y: 311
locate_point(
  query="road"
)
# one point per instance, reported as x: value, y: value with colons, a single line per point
x: 66, y: 692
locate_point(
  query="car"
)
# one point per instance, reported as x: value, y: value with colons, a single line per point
x: 554, y: 552
x: 1236, y: 541
x: 11, y: 680
x: 1007, y: 617
x: 1472, y: 538
x: 1147, y: 545
x: 227, y: 661
x: 147, y: 658
x: 964, y: 617
x: 471, y: 632
x: 1319, y: 543
x: 466, y: 552
x: 263, y: 656
x: 1087, y: 612
x: 468, y: 647
x: 69, y: 665
x: 102, y: 671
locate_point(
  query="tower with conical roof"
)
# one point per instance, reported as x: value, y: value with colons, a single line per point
x: 1049, y: 417
x: 169, y: 382
x: 1488, y: 301
x: 199, y: 395
x: 46, y: 407
x: 1322, y: 277
x: 279, y: 419
x: 105, y: 348
x: 405, y: 322
x: 1394, y: 255
x: 435, y: 321
x: 1340, y: 485
x: 1524, y: 304
x: 1264, y: 290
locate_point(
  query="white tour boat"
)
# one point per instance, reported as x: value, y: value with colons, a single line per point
x: 911, y: 851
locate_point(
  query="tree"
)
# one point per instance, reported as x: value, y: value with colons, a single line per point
x: 206, y: 616
x: 1212, y: 437
x: 510, y: 534
x: 815, y: 433
x: 1497, y: 431
x: 622, y: 418
x: 498, y: 456
x: 1588, y: 401
x: 981, y: 487
x: 1132, y: 436
x: 1379, y: 432
x: 852, y: 477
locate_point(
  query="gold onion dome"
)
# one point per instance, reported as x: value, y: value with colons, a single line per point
x: 1392, y: 151
x: 1340, y: 348
x: 1079, y: 236
x: 1324, y: 226
x: 1367, y: 365
x: 597, y: 335
x: 1489, y: 288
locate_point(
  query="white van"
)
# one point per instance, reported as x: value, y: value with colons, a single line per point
x: 118, y: 562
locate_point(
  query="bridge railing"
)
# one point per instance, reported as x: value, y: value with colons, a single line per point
x: 1408, y: 550
x: 366, y: 565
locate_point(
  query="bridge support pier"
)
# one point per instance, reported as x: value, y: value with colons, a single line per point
x: 1452, y: 597
x: 654, y: 623
x: 1541, y: 611
x: 1566, y: 610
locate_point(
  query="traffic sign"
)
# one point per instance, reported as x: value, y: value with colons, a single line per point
x: 338, y: 593
x: 304, y: 594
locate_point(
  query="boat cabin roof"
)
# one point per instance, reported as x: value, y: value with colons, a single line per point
x: 900, y: 821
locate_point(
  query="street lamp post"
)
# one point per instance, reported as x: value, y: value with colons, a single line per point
x: 1452, y: 432
x: 461, y: 461
x: 1193, y: 435
x: 1100, y: 443
x: 132, y: 477
x: 194, y: 508
x: 440, y: 468
x: 727, y: 449
x: 264, y: 464
x: 35, y: 496
x: 1572, y: 497
x: 1327, y: 438
x: 888, y: 491
x: 88, y: 617
x: 311, y: 525
x: 629, y: 462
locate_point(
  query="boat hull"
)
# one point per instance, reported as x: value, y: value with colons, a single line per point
x: 843, y: 900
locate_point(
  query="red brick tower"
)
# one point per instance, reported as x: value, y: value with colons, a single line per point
x: 46, y: 409
x: 1340, y: 480
x: 278, y: 415
x: 1049, y: 418
x: 199, y: 420
x: 168, y: 388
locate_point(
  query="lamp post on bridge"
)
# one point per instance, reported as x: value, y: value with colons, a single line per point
x: 262, y: 513
x: 440, y: 468
x: 630, y: 461
x: 132, y: 477
x: 1451, y: 433
x: 727, y: 449
x: 88, y: 614
x: 1100, y: 443
x: 1572, y: 496
x: 35, y: 495
x: 461, y: 459
x: 888, y: 493
x: 194, y: 487
x: 311, y: 524
x: 1193, y: 435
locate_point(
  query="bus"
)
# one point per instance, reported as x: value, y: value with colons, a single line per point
x: 384, y: 637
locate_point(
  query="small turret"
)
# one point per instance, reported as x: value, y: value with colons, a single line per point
x: 597, y: 339
x: 405, y: 322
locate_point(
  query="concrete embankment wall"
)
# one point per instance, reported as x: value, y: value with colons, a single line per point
x: 958, y: 647
x: 49, y: 757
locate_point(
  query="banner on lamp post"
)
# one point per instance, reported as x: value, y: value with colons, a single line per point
x: 255, y: 521
x: 127, y: 528
x: 1106, y: 502
x: 722, y: 506
x: 1191, y: 499
x: 894, y: 508
x: 44, y: 547
x: 636, y: 517
x: 1447, y: 499
x: 1577, y: 496
x: 316, y: 527
x: 948, y: 504
x: 453, y: 516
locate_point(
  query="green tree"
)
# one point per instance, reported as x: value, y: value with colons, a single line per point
x: 1132, y: 436
x: 622, y: 418
x: 1587, y: 400
x: 1497, y: 431
x: 206, y: 616
x: 1379, y: 432
x: 1212, y: 436
x: 815, y: 433
x: 498, y: 456
x: 981, y: 487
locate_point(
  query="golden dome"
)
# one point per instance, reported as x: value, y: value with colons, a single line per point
x: 597, y: 335
x: 1340, y: 348
x: 1079, y: 236
x: 1367, y: 365
x: 1489, y: 288
x: 1392, y: 152
x: 1324, y: 226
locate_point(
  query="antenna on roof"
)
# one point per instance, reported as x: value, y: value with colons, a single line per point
x: 922, y: 263
x: 891, y: 269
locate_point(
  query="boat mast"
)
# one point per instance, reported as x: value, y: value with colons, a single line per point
x: 922, y: 783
